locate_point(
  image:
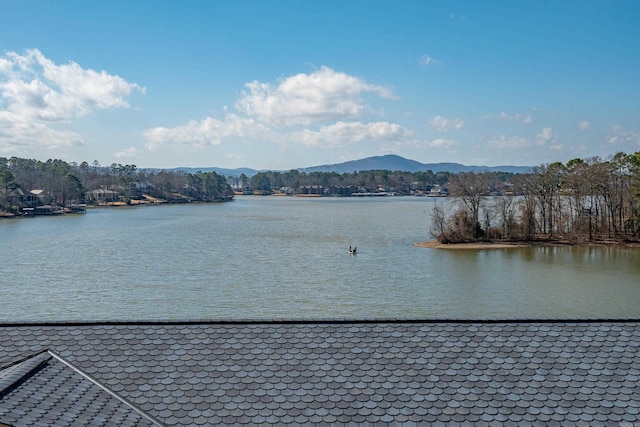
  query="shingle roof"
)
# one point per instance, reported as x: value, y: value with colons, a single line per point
x: 352, y: 372
x: 45, y: 390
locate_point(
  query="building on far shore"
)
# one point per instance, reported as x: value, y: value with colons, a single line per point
x: 102, y: 195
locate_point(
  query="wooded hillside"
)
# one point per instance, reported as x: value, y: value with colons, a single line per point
x: 582, y: 200
x: 59, y: 183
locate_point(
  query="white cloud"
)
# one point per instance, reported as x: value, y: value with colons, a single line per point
x: 508, y: 142
x: 127, y: 153
x: 441, y: 143
x: 37, y: 88
x: 300, y: 100
x: 342, y: 133
x: 303, y: 99
x: 234, y: 156
x: 18, y: 135
x: 427, y: 60
x: 36, y: 94
x: 208, y: 131
x: 620, y: 136
x: 442, y: 124
x: 584, y: 125
x: 511, y: 117
x: 545, y: 136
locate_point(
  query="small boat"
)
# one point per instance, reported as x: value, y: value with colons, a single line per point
x: 353, y: 251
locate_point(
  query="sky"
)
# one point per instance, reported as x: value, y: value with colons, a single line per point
x: 279, y: 85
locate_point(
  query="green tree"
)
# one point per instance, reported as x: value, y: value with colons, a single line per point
x: 7, y: 187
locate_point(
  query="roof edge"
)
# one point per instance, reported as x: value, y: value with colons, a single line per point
x: 316, y: 321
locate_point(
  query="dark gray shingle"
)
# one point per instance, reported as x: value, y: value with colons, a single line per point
x: 43, y: 390
x: 405, y: 372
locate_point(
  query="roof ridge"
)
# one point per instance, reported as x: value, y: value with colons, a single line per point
x: 106, y: 389
x: 12, y: 376
x: 317, y: 321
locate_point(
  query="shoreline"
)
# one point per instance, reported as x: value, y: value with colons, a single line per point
x: 134, y: 203
x: 524, y: 244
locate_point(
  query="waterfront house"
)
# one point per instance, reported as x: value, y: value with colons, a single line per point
x: 311, y: 190
x: 343, y: 190
x: 35, y: 198
x: 30, y: 200
x: 102, y: 195
x: 438, y: 191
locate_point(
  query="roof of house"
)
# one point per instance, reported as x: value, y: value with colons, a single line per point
x: 44, y: 389
x: 413, y: 372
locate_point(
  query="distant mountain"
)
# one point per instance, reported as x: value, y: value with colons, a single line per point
x: 220, y: 171
x: 393, y: 162
x: 390, y: 162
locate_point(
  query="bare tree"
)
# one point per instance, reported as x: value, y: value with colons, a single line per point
x: 505, y: 208
x: 470, y: 188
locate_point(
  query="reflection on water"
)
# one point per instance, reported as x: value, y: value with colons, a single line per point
x: 287, y: 258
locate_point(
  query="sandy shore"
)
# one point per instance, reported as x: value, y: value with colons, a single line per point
x: 475, y: 245
x: 506, y: 245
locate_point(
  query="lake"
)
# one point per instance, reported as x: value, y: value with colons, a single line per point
x: 286, y: 257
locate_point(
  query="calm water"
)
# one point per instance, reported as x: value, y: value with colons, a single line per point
x: 276, y: 257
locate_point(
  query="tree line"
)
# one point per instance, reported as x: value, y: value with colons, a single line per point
x: 345, y: 184
x: 62, y: 183
x: 580, y: 201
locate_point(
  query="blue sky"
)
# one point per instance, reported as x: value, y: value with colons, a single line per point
x: 284, y: 84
